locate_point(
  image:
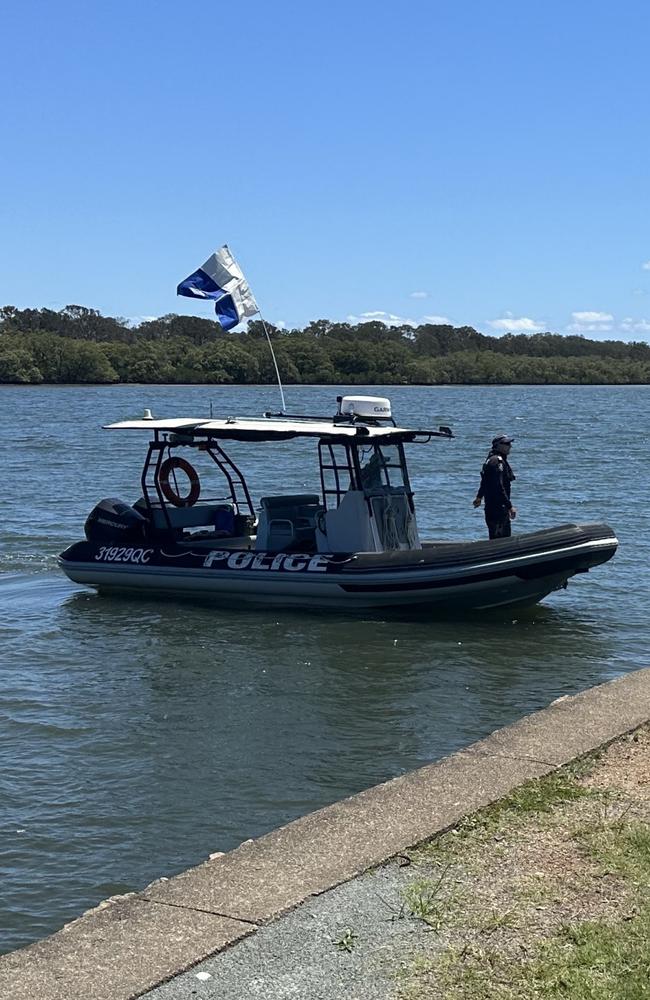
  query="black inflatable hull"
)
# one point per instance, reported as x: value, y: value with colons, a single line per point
x: 459, y: 575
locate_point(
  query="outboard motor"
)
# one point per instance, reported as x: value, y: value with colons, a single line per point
x: 115, y: 522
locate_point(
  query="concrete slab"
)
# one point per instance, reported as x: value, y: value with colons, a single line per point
x: 115, y: 951
x: 575, y: 725
x: 298, y: 958
x: 267, y: 877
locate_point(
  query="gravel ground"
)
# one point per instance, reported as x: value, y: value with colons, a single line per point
x: 298, y: 956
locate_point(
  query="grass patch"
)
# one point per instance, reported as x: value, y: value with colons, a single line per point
x: 498, y: 946
x: 424, y: 899
x: 347, y: 941
x: 593, y: 960
x: 498, y: 920
x: 590, y: 961
x: 540, y: 795
x: 536, y: 797
x: 598, y: 961
x: 622, y: 848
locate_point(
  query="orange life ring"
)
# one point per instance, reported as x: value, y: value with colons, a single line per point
x: 168, y: 468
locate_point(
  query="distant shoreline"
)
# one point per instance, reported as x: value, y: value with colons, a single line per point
x: 323, y: 385
x: 79, y: 346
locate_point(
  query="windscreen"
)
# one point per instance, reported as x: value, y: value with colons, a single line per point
x: 381, y: 466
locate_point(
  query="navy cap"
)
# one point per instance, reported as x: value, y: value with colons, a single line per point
x: 502, y: 439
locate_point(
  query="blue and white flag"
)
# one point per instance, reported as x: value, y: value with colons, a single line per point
x: 222, y: 280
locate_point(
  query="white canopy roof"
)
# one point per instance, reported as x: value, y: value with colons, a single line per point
x: 251, y: 429
x: 171, y: 424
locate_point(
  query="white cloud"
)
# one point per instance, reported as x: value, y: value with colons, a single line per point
x: 607, y: 324
x: 591, y: 317
x: 589, y: 328
x: 646, y: 265
x: 516, y: 324
x: 379, y: 316
x: 590, y: 321
x: 391, y: 319
x: 136, y: 320
x: 635, y: 325
x: 419, y: 295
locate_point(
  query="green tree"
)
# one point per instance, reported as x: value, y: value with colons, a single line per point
x: 17, y: 366
x: 85, y: 362
x: 229, y: 361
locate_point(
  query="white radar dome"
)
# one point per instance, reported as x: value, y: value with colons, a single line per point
x: 376, y: 407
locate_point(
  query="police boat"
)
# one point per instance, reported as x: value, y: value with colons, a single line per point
x: 354, y: 543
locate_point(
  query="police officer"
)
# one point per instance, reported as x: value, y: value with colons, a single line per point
x: 496, y: 477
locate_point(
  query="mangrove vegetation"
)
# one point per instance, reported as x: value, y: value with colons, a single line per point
x: 79, y: 345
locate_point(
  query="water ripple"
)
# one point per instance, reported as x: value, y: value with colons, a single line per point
x: 139, y: 736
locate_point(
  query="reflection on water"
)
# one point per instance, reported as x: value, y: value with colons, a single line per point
x: 140, y: 735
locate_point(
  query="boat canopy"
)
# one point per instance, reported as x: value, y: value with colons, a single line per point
x: 251, y: 429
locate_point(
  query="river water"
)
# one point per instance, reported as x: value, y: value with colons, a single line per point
x: 138, y: 736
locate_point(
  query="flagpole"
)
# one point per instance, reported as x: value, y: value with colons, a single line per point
x: 268, y: 337
x: 275, y: 364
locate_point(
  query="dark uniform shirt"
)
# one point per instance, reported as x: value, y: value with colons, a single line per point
x: 496, y: 477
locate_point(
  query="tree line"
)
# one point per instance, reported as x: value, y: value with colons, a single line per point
x: 79, y: 345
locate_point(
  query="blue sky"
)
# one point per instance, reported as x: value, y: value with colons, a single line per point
x: 486, y: 163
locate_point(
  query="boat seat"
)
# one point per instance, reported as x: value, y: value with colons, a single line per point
x: 218, y: 516
x: 288, y: 522
x: 280, y: 534
x: 290, y: 500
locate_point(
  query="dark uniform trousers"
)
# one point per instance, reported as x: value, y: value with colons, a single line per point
x: 498, y: 523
